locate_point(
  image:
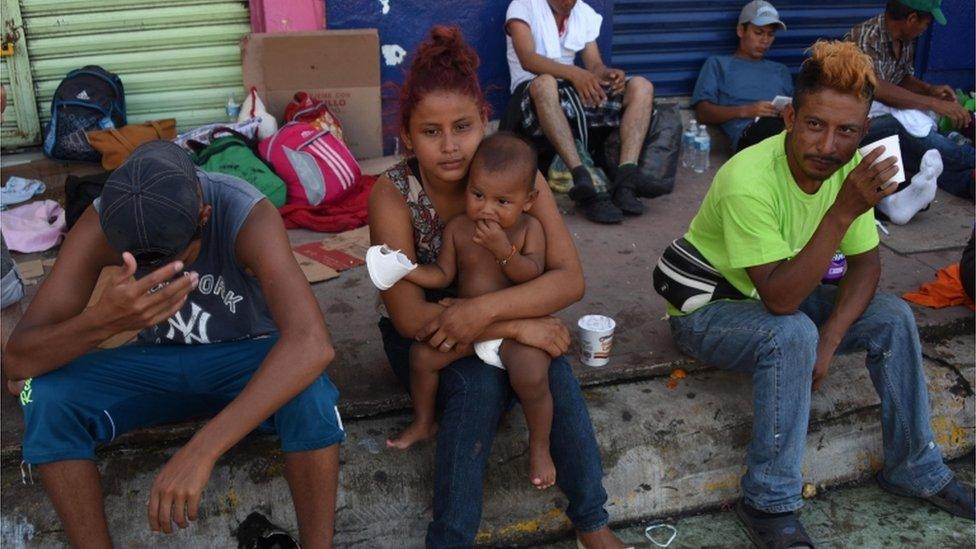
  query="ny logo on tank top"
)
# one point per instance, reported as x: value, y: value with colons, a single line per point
x: 197, y: 321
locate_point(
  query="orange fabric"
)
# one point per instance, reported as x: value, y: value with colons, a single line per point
x: 946, y: 291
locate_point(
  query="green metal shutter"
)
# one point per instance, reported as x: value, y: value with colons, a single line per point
x: 177, y: 59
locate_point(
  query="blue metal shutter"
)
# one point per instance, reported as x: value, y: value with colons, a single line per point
x: 667, y: 41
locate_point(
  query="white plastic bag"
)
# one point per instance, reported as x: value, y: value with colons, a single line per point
x: 253, y: 107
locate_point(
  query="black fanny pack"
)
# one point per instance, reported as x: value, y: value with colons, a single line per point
x: 688, y: 281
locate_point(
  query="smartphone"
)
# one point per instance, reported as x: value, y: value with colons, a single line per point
x: 781, y: 101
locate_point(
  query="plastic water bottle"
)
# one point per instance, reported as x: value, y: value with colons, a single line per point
x: 836, y: 269
x: 688, y: 144
x: 233, y: 109
x: 703, y: 146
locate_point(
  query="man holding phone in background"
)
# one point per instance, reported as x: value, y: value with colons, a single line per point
x: 744, y: 92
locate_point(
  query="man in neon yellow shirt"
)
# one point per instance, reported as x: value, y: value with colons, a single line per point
x: 769, y: 225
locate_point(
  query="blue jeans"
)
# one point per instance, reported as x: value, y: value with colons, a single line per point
x: 471, y: 399
x: 958, y: 160
x: 779, y: 351
x: 100, y: 395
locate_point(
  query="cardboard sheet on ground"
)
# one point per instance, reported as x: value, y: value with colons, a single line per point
x: 340, y: 67
x: 336, y: 259
x: 103, y: 280
x: 314, y: 271
x: 354, y: 242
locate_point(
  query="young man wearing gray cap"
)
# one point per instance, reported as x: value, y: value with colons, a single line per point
x: 736, y: 90
x: 228, y: 327
x: 889, y: 40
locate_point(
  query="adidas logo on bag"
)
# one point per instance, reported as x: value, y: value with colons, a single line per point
x: 83, y: 96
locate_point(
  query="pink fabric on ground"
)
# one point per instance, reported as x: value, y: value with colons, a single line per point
x: 34, y: 227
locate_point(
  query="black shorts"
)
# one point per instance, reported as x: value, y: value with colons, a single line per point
x: 581, y: 118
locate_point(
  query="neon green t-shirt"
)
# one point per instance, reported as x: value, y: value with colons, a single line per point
x: 755, y: 213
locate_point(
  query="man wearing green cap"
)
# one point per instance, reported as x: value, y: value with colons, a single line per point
x: 889, y: 39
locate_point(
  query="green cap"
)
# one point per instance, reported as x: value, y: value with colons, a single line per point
x: 928, y: 6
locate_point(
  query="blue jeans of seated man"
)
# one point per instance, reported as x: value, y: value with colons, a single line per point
x: 958, y: 160
x: 779, y: 351
x: 471, y: 399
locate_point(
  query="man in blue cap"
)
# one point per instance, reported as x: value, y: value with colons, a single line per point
x: 228, y: 328
x: 736, y: 90
x: 889, y: 39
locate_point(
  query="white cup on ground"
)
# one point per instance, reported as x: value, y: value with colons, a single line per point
x: 596, y: 339
x: 892, y: 148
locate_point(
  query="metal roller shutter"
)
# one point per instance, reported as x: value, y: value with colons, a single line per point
x: 177, y: 59
x: 20, y: 126
x: 667, y: 41
x: 9, y: 131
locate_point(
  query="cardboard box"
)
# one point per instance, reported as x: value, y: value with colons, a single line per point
x: 341, y: 67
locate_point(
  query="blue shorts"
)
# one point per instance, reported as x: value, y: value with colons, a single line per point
x: 98, y: 396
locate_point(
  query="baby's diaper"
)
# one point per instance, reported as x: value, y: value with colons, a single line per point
x: 488, y: 352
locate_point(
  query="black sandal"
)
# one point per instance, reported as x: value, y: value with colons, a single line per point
x: 773, y: 532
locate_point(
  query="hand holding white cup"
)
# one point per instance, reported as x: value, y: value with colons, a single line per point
x: 892, y: 147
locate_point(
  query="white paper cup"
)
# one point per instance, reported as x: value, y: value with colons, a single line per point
x: 892, y: 148
x: 596, y: 339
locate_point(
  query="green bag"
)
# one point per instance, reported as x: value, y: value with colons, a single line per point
x: 232, y: 153
x: 561, y: 179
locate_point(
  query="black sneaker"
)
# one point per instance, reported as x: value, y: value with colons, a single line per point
x: 583, y: 188
x: 772, y: 531
x: 625, y: 190
x: 955, y: 498
x: 626, y: 199
x: 600, y: 209
x: 257, y: 532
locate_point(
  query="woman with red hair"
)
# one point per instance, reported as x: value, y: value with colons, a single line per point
x: 443, y: 119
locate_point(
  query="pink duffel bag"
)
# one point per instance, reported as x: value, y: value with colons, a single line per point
x: 317, y: 168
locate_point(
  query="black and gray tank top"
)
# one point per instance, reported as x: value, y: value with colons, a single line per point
x: 228, y: 303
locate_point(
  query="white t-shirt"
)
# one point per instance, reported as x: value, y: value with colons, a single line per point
x: 582, y: 27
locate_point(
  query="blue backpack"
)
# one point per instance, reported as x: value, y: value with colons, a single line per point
x: 89, y: 98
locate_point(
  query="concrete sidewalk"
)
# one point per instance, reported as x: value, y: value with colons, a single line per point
x: 859, y: 515
x: 667, y: 448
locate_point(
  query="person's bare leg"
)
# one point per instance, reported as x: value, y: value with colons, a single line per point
x: 75, y: 490
x: 313, y: 478
x: 552, y: 119
x: 604, y: 538
x: 528, y: 372
x: 637, y: 106
x: 425, y: 362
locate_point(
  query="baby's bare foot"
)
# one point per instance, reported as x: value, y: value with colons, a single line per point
x: 542, y: 471
x: 415, y: 432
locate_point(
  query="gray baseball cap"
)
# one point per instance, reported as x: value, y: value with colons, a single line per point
x: 760, y: 13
